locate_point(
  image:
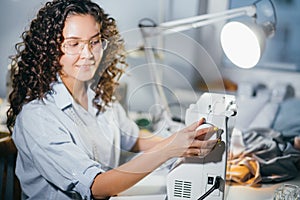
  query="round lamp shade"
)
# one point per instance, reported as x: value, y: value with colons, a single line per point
x: 243, y: 43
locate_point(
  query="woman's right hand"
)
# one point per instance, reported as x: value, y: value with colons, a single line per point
x: 189, y: 142
x: 186, y: 142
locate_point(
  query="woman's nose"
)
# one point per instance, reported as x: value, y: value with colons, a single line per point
x: 87, y: 51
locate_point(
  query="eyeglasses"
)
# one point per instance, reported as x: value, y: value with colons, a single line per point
x: 75, y: 46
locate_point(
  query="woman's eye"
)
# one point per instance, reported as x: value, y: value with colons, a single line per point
x: 73, y: 43
x: 95, y: 42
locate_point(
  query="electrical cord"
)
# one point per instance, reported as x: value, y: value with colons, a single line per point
x: 213, y: 188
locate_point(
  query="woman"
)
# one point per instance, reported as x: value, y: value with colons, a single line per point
x: 67, y: 128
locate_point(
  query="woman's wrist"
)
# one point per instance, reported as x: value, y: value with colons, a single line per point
x: 162, y: 149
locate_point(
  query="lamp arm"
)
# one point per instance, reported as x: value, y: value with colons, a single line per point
x: 246, y: 10
x: 198, y: 21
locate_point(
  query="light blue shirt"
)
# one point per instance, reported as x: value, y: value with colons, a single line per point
x: 62, y: 147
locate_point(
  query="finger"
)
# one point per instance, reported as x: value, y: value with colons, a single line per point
x: 192, y: 152
x: 194, y: 125
x: 209, y: 144
x: 202, y: 120
x: 206, y: 132
x: 204, y: 152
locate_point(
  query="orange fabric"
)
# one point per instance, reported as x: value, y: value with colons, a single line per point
x: 243, y: 170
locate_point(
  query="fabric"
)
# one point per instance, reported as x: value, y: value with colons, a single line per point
x: 244, y: 171
x: 248, y: 108
x: 260, y: 147
x: 241, y: 168
x: 288, y: 118
x: 265, y: 158
x: 259, y: 105
x: 62, y: 147
x: 265, y: 117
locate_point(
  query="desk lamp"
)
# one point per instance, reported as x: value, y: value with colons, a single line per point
x: 251, y: 35
x: 243, y: 42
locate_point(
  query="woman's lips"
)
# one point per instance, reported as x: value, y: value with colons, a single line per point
x: 85, y: 66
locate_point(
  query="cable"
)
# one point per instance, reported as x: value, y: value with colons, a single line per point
x: 214, y: 187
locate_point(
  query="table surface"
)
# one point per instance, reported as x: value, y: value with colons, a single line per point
x: 153, y: 187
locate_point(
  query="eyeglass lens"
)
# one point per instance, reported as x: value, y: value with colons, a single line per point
x: 96, y: 44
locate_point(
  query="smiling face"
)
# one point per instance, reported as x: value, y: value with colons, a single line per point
x: 81, y: 66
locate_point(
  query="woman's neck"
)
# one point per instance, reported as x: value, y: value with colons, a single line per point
x: 78, y: 90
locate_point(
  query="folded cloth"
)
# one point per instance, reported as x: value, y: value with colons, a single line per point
x: 237, y: 146
x: 248, y: 108
x: 277, y: 159
x: 265, y: 117
x: 259, y: 110
x: 243, y: 170
x: 288, y: 118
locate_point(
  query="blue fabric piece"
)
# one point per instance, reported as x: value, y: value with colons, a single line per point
x: 288, y: 118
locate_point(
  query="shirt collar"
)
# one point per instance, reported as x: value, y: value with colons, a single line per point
x: 64, y: 99
x: 61, y: 95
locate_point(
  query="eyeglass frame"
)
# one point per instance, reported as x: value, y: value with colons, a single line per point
x: 104, y: 44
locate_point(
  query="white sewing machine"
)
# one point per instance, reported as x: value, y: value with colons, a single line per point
x: 196, y: 177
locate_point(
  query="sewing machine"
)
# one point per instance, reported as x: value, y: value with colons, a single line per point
x: 204, y: 177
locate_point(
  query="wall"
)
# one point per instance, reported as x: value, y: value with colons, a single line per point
x: 17, y: 14
x: 183, y: 65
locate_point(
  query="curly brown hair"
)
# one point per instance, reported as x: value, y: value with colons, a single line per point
x: 35, y: 66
